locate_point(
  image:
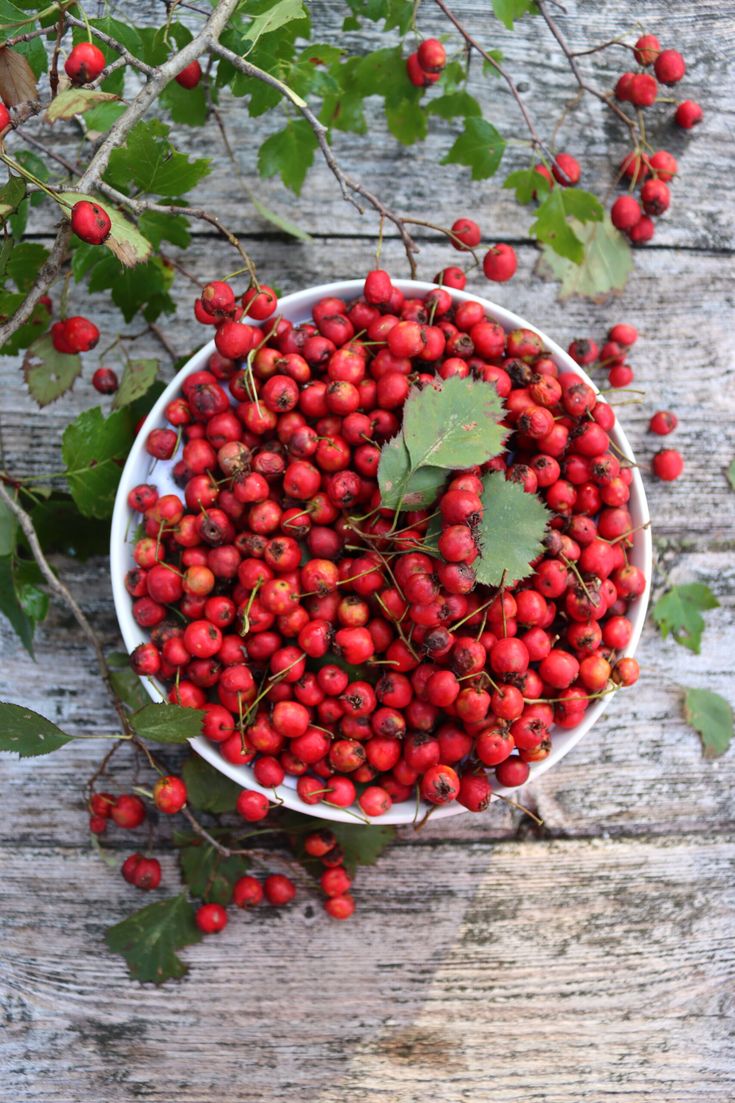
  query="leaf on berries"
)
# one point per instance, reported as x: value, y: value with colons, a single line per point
x: 12, y: 195
x: 49, y: 374
x: 93, y: 448
x: 509, y: 10
x: 711, y: 716
x: 527, y: 184
x: 452, y: 105
x: 510, y: 533
x: 731, y: 474
x: 27, y: 733
x: 150, y: 938
x: 455, y: 426
x: 17, y: 79
x: 125, y: 240
x: 480, y: 146
x: 288, y: 153
x: 207, y: 873
x: 400, y: 488
x: 126, y: 683
x: 605, y: 268
x: 552, y: 226
x: 208, y: 789
x: 678, y: 612
x: 138, y: 377
x: 75, y: 101
x: 167, y: 723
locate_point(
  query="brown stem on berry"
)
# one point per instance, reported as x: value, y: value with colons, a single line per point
x: 53, y: 76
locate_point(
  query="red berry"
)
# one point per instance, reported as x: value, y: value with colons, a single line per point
x: 128, y: 811
x: 81, y: 334
x: 335, y: 881
x: 97, y: 824
x: 566, y: 170
x: 211, y: 918
x: 663, y: 422
x: 669, y: 66
x: 475, y: 792
x: 84, y: 63
x: 655, y: 196
x: 105, y: 381
x: 625, y: 212
x: 147, y: 873
x: 468, y: 233
x: 90, y: 222
x: 161, y: 443
x: 440, y: 785
x: 688, y: 114
x: 418, y: 76
x: 260, y: 302
x: 500, y: 263
x: 190, y: 76
x: 5, y: 120
x: 233, y: 339
x: 252, y: 805
x: 634, y: 166
x: 512, y: 772
x: 374, y: 801
x: 169, y: 794
x: 647, y: 49
x: 340, y: 907
x: 129, y: 867
x: 643, y: 231
x: 626, y: 672
x: 622, y: 87
x: 668, y: 464
x: 451, y: 277
x: 432, y: 56
x: 247, y: 892
x: 643, y: 90
x: 624, y: 334
x: 279, y: 890
x: 100, y: 804
x: 664, y: 166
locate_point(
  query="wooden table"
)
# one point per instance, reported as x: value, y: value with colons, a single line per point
x: 591, y: 960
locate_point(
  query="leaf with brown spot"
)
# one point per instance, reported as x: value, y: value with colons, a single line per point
x: 49, y: 373
x: 17, y: 82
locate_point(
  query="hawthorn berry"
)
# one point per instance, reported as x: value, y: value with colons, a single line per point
x: 647, y: 49
x: 643, y: 231
x: 247, y: 892
x: 340, y: 907
x: 655, y: 197
x: 189, y: 76
x: 642, y: 90
x: 211, y: 918
x: 90, y: 222
x: 84, y: 63
x: 252, y: 805
x: 128, y: 811
x: 419, y: 76
x: 669, y: 66
x: 5, y: 120
x: 663, y: 422
x: 279, y: 889
x: 169, y: 794
x: 432, y: 56
x: 625, y: 212
x: 465, y: 234
x: 688, y: 114
x: 566, y: 170
x: 500, y: 263
x: 668, y: 464
x: 105, y: 381
x: 663, y: 165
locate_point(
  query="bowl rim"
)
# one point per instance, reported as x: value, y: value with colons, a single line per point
x: 297, y: 306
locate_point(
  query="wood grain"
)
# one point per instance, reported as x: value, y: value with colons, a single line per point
x: 591, y: 960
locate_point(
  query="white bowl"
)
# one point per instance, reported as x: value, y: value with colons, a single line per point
x: 141, y: 468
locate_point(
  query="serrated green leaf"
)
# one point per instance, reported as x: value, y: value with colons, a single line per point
x: 92, y: 448
x: 125, y: 240
x: 8, y: 530
x: 149, y: 160
x: 362, y: 844
x: 98, y: 120
x: 27, y: 579
x: 454, y: 104
x: 143, y: 288
x: 34, y: 51
x: 288, y: 153
x: 400, y: 488
x: 158, y: 227
x: 27, y: 733
x: 678, y: 612
x: 527, y: 184
x: 510, y: 533
x: 75, y: 101
x: 275, y: 16
x: 10, y: 606
x: 187, y: 106
x: 24, y: 262
x: 605, y: 268
x: 138, y: 377
x: 150, y: 938
x: 207, y: 874
x: 480, y: 146
x: 552, y: 227
x: 49, y: 373
x: 207, y: 788
x: 407, y: 121
x: 731, y: 474
x: 711, y: 716
x: 166, y: 723
x: 12, y: 194
x: 454, y: 427
x: 509, y: 10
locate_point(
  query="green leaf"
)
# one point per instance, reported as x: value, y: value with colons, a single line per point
x: 407, y: 121
x: 509, y: 10
x: 60, y: 527
x: 75, y: 101
x: 607, y: 262
x: 10, y: 606
x: 150, y: 161
x: 28, y: 579
x: 159, y: 227
x: 8, y: 530
x: 150, y: 938
x: 527, y: 184
x: 208, y: 789
x: 208, y: 874
x: 92, y: 447
x: 551, y: 225
x: 25, y: 261
x: 711, y: 716
x: 34, y: 51
x: 187, y: 106
x: 125, y: 240
x: 362, y: 844
x: 275, y: 16
x: 399, y: 487
x: 288, y: 153
x: 126, y: 683
x: 731, y: 474
x: 27, y: 733
x: 143, y: 288
x: 480, y: 146
x: 166, y: 723
x: 678, y: 612
x: 49, y: 373
x: 138, y: 377
x: 510, y: 533
x: 454, y: 427
x: 12, y: 194
x: 98, y: 120
x: 453, y: 105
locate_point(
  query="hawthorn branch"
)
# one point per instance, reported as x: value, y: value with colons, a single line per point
x: 130, y: 59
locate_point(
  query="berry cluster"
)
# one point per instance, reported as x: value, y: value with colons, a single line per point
x: 652, y: 171
x: 425, y: 65
x: 311, y: 625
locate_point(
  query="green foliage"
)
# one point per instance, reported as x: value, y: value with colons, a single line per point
x: 75, y: 101
x: 149, y: 161
x: 12, y: 194
x: 394, y: 13
x: 527, y: 184
x: 61, y: 528
x: 711, y: 716
x: 48, y: 373
x: 552, y: 226
x: 480, y: 147
x: 731, y: 474
x: 27, y: 733
x: 92, y: 450
x: 275, y: 16
x: 150, y: 938
x: 362, y: 843
x: 207, y: 873
x: 186, y: 106
x: 510, y: 533
x: 509, y: 10
x: 678, y: 612
x: 125, y: 241
x: 137, y: 379
x: 166, y: 723
x: 289, y: 154
x: 454, y: 105
x: 606, y: 266
x: 207, y: 788
x: 143, y: 289
x: 126, y: 683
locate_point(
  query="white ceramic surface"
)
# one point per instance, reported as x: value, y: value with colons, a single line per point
x: 141, y: 468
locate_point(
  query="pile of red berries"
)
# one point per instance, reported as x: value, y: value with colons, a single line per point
x: 653, y: 171
x: 319, y: 634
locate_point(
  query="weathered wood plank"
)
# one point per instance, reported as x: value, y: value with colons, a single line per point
x: 530, y: 971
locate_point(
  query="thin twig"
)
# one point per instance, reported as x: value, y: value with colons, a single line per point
x: 130, y: 59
